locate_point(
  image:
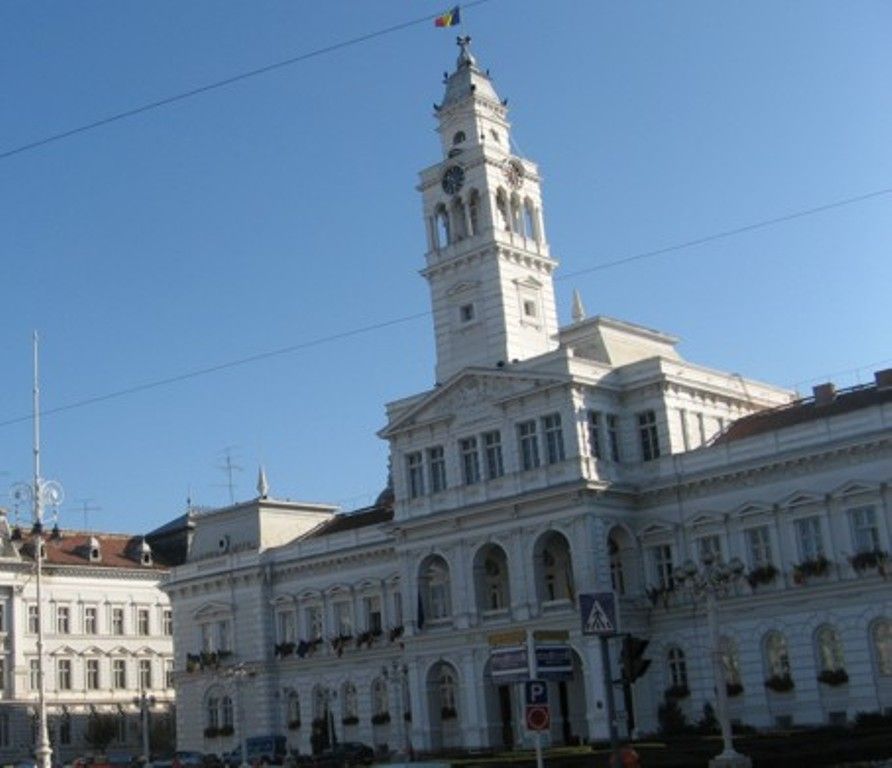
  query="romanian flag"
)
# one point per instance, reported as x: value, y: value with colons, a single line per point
x: 448, y: 19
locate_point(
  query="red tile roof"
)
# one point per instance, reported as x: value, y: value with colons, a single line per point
x: 803, y: 411
x: 117, y: 550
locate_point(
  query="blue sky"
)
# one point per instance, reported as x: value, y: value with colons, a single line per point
x: 282, y: 209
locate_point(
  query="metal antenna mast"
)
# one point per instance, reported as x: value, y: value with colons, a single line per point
x: 230, y: 468
x: 86, y: 508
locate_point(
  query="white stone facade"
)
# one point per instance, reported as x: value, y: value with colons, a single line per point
x: 107, y: 638
x: 546, y: 462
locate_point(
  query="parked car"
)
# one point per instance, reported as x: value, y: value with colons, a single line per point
x: 186, y: 759
x: 346, y: 754
x: 262, y: 750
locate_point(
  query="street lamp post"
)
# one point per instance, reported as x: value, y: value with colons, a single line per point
x: 40, y: 493
x: 144, y: 702
x: 711, y: 581
x: 238, y: 673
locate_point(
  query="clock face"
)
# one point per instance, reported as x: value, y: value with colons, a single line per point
x: 453, y: 179
x: 513, y: 170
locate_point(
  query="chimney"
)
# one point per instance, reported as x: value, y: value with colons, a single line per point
x: 824, y: 393
x: 883, y: 378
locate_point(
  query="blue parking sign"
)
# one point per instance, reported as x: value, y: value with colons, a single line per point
x: 536, y: 692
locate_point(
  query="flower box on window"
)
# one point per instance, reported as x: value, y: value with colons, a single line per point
x: 676, y: 692
x: 870, y: 559
x: 448, y: 713
x: 318, y: 723
x: 350, y: 720
x: 396, y: 633
x: 284, y: 649
x: 780, y: 683
x: 407, y: 716
x: 764, y: 574
x: 365, y: 639
x: 211, y: 732
x: 818, y: 566
x: 226, y: 730
x: 659, y: 594
x: 380, y: 718
x: 833, y: 677
x: 293, y: 725
x: 733, y: 689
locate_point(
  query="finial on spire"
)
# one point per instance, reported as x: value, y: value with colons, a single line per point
x: 262, y: 484
x: 465, y: 57
x: 578, y: 310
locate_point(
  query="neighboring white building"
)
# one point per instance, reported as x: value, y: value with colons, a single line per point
x: 545, y: 462
x: 107, y: 638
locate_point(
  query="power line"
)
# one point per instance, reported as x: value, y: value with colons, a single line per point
x: 727, y: 233
x: 408, y: 318
x: 225, y: 82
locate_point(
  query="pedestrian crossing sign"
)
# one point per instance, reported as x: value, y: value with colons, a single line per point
x: 598, y: 613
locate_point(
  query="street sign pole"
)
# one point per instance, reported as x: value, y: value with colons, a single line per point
x: 611, y: 706
x: 531, y: 656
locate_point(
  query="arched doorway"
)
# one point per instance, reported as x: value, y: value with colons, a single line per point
x: 443, y: 705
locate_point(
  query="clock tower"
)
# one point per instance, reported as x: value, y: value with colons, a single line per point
x: 488, y: 263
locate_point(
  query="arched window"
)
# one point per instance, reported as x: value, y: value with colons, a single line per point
x: 319, y: 703
x: 292, y: 707
x: 730, y: 657
x: 380, y: 704
x: 777, y: 658
x: 554, y: 568
x: 502, y: 208
x: 457, y: 220
x: 495, y: 583
x: 458, y: 138
x: 446, y: 686
x: 348, y: 701
x: 617, y: 578
x: 829, y: 648
x: 529, y: 220
x: 678, y: 668
x: 435, y: 595
x: 226, y: 720
x: 516, y: 215
x: 212, y: 712
x: 882, y: 645
x: 474, y: 212
x: 441, y: 227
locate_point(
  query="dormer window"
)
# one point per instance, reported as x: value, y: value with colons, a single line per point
x: 458, y: 138
x: 95, y: 552
x: 466, y: 313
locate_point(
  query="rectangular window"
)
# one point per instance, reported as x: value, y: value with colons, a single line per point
x: 372, y: 610
x: 34, y: 674
x: 613, y: 435
x: 470, y: 460
x: 415, y: 474
x: 865, y: 533
x: 808, y: 534
x: 142, y: 621
x: 661, y: 557
x: 119, y: 674
x: 2, y: 617
x: 594, y: 434
x: 222, y: 635
x: 145, y: 674
x: 709, y: 547
x: 63, y: 674
x: 397, y: 609
x: 91, y: 676
x: 285, y: 626
x: 207, y: 638
x: 63, y: 619
x: 90, y: 620
x: 492, y: 445
x: 344, y: 619
x: 529, y: 445
x: 554, y: 438
x: 758, y: 543
x: 117, y: 622
x: 33, y: 619
x: 167, y: 622
x: 466, y: 313
x: 168, y: 673
x: 436, y: 463
x: 315, y: 625
x: 650, y: 439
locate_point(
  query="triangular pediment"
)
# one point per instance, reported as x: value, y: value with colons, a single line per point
x: 63, y: 650
x: 752, y: 508
x: 93, y: 650
x: 470, y: 392
x: 855, y: 488
x: 211, y: 609
x: 701, y: 520
x: 801, y: 499
x: 656, y: 529
x: 282, y: 600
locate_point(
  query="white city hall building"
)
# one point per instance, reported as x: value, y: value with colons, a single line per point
x: 108, y: 640
x: 546, y: 462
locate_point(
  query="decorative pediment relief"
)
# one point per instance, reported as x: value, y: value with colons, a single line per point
x: 751, y: 509
x: 801, y: 499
